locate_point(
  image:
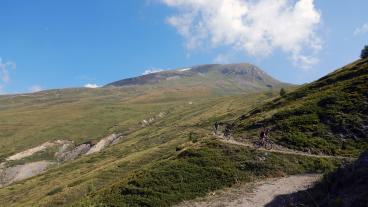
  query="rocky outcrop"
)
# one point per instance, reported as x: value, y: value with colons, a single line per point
x: 107, y: 141
x: 30, y: 152
x: 40, y: 148
x: 73, y: 153
x: 21, y: 172
x: 66, y: 151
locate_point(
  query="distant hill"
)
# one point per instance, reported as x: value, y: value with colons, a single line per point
x: 222, y: 78
x: 329, y: 115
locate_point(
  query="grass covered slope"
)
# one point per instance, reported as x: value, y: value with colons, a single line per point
x: 82, y: 115
x: 140, y: 147
x: 74, y: 114
x: 87, y: 115
x: 173, y: 158
x: 328, y: 116
x: 199, y: 169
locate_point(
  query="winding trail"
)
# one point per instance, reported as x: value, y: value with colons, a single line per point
x: 280, y: 149
x: 255, y: 194
x: 260, y: 193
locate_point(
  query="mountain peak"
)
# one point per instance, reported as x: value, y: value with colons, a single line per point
x: 243, y: 76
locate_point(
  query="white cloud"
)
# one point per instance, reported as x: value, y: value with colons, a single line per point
x: 257, y: 27
x: 361, y: 30
x: 152, y: 70
x: 91, y: 85
x: 305, y: 62
x: 5, y: 68
x: 223, y: 59
x: 35, y: 88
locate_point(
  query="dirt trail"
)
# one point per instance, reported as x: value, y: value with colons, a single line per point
x: 280, y: 149
x: 257, y: 194
x: 260, y: 193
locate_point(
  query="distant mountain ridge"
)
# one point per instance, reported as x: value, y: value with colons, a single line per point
x: 242, y: 76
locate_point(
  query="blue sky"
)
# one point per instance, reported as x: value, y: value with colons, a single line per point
x: 70, y: 43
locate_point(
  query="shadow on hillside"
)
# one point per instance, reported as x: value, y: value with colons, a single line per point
x: 292, y: 200
x: 346, y: 187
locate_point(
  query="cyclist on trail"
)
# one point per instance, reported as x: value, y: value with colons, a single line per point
x: 263, y: 136
x: 215, y: 127
x: 227, y: 131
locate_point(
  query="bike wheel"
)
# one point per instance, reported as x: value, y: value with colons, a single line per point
x: 268, y: 145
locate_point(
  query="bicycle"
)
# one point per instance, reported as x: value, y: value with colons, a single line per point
x: 266, y: 143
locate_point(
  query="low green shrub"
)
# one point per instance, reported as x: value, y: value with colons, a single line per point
x: 55, y: 191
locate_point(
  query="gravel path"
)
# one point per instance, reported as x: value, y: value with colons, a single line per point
x: 255, y: 194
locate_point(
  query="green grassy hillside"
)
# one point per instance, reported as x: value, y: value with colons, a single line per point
x: 328, y: 116
x: 176, y: 157
x: 87, y: 115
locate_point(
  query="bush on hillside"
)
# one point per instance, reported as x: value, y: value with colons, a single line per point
x: 282, y: 92
x: 364, y: 52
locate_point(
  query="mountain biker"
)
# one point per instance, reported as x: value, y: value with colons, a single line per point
x: 215, y: 127
x: 227, y: 131
x: 263, y: 136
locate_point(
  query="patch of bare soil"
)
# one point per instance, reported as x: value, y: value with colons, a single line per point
x: 21, y: 172
x: 107, y: 141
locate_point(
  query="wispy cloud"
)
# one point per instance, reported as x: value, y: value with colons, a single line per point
x: 5, y: 68
x: 362, y: 30
x: 223, y: 58
x: 152, y: 70
x: 35, y: 88
x: 91, y: 85
x: 255, y: 27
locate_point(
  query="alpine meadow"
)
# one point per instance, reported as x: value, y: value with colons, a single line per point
x: 255, y: 103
